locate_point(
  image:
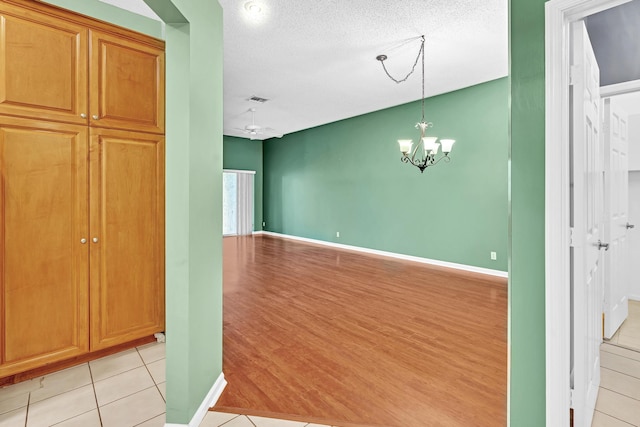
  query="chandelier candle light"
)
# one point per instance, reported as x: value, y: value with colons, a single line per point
x: 428, y: 155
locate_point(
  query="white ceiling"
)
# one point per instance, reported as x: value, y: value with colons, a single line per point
x: 135, y: 6
x: 315, y: 60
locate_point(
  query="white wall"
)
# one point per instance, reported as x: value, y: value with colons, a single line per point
x: 634, y: 206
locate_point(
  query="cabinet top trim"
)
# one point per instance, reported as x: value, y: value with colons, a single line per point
x: 77, y: 18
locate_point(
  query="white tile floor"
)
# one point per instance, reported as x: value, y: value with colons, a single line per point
x: 618, y: 402
x: 123, y: 390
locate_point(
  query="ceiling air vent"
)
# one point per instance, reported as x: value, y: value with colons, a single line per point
x: 257, y: 99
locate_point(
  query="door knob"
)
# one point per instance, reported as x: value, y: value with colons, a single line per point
x: 603, y: 245
x: 95, y: 117
x: 630, y: 225
x: 95, y: 240
x: 83, y: 241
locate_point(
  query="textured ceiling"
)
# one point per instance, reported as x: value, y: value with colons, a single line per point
x: 315, y: 60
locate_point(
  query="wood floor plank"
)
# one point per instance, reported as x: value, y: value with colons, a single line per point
x: 621, y: 364
x: 357, y: 339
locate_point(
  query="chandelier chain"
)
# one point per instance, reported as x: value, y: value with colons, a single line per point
x: 420, y: 52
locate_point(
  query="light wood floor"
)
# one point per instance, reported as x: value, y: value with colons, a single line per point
x: 628, y: 335
x: 341, y: 338
x: 618, y: 402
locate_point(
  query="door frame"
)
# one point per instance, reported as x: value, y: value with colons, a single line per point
x: 559, y: 14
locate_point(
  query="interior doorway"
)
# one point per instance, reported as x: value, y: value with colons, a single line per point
x: 562, y: 324
x: 625, y: 331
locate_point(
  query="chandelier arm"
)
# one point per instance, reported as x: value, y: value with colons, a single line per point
x: 406, y: 159
x: 426, y: 162
x: 446, y: 159
x: 415, y: 150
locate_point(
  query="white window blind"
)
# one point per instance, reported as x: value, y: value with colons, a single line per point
x: 237, y: 202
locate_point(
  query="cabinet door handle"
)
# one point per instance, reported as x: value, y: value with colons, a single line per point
x: 83, y: 241
x: 96, y: 117
x: 95, y: 240
x: 83, y: 115
x: 629, y: 226
x: 603, y: 245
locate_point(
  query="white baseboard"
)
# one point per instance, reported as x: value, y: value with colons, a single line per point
x: 454, y: 265
x: 634, y: 297
x: 259, y: 232
x: 210, y: 400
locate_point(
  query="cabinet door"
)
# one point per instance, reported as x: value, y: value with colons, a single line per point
x: 43, y: 262
x: 43, y: 66
x: 127, y: 236
x: 127, y: 84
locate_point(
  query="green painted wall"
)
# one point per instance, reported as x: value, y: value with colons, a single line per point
x: 527, y: 266
x: 347, y: 177
x: 193, y: 189
x: 245, y: 154
x: 106, y: 12
x: 194, y: 205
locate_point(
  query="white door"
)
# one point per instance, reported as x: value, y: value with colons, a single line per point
x: 587, y: 215
x: 616, y: 292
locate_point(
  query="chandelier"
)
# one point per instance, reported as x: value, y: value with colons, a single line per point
x: 425, y: 153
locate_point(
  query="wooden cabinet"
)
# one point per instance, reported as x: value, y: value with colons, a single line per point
x: 44, y: 66
x: 81, y: 186
x: 48, y: 73
x: 127, y: 236
x: 127, y: 84
x: 43, y: 264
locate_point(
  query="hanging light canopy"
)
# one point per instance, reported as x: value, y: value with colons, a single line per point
x: 425, y: 152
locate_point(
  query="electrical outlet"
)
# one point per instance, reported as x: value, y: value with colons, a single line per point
x: 337, y: 234
x: 494, y: 256
x: 264, y: 224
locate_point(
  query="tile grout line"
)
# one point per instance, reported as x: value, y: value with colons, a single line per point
x: 152, y: 378
x: 26, y: 413
x: 139, y: 424
x: 127, y: 396
x: 127, y: 370
x: 154, y: 384
x: 227, y: 422
x: 70, y: 418
x: 95, y: 396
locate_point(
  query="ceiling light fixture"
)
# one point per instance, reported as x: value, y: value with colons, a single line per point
x: 426, y: 157
x: 253, y: 8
